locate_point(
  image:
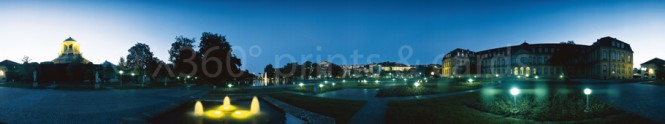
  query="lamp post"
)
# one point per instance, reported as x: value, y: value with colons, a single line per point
x: 514, y: 91
x: 187, y: 78
x: 587, y: 92
x: 133, y: 76
x: 121, y: 77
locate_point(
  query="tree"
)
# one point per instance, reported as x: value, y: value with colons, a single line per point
x: 306, y: 69
x: 140, y: 59
x: 218, y: 63
x: 121, y: 64
x: 181, y: 43
x: 181, y: 53
x: 26, y: 59
x: 336, y: 70
x: 269, y: 71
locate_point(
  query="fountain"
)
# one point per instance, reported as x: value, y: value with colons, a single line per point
x: 254, y: 107
x: 227, y: 109
x: 198, y: 109
x: 226, y: 105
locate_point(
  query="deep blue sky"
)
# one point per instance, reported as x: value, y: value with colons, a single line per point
x: 106, y: 29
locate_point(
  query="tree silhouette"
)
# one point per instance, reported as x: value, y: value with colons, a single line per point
x: 216, y: 51
x: 140, y: 59
x: 269, y: 71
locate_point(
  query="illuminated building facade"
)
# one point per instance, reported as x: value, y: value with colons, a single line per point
x: 607, y: 58
x: 654, y: 69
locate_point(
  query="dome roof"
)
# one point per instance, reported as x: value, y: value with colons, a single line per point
x: 69, y: 39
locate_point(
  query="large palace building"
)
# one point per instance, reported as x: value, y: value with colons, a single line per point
x: 607, y: 58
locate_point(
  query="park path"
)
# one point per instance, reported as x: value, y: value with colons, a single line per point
x: 39, y: 106
x: 373, y: 112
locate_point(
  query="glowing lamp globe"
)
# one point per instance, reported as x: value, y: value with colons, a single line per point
x: 514, y: 91
x: 587, y: 91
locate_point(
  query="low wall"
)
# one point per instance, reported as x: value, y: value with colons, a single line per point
x: 306, y: 116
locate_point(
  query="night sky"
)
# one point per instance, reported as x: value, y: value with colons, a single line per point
x: 106, y: 29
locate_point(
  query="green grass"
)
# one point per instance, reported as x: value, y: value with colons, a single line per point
x: 225, y: 90
x: 429, y: 88
x: 453, y: 109
x: 341, y: 110
x: 316, y: 89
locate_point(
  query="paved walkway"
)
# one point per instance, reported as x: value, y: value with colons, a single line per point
x: 44, y: 106
x: 374, y: 110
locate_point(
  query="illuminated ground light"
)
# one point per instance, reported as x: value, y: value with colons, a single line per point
x: 536, y: 77
x: 514, y: 91
x: 470, y: 80
x: 587, y: 92
x: 230, y: 85
x: 301, y: 84
x: 321, y: 85
x: 416, y: 84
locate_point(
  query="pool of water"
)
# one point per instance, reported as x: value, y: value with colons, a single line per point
x: 184, y: 114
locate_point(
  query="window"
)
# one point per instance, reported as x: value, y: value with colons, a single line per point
x: 604, y: 56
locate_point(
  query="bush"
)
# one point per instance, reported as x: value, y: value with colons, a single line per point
x: 558, y: 107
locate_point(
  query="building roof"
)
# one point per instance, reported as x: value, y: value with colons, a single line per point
x: 656, y: 61
x: 613, y: 42
x: 69, y: 39
x: 8, y: 62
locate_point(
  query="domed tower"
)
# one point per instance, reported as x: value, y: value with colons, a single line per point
x: 70, y: 46
x: 70, y: 53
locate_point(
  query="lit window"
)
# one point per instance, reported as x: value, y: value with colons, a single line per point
x: 2, y: 73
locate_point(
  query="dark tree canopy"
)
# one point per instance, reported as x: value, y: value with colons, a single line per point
x: 140, y: 59
x: 269, y: 71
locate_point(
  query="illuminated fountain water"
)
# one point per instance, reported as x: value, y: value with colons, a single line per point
x: 198, y: 109
x: 227, y: 109
x: 254, y: 108
x: 226, y: 105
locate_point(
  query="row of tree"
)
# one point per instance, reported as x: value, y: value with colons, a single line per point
x: 213, y: 62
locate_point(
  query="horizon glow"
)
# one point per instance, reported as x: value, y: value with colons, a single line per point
x: 322, y: 29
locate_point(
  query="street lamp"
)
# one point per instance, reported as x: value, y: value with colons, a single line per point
x: 514, y: 91
x: 321, y: 85
x: 301, y: 84
x: 416, y: 84
x: 587, y: 92
x: 121, y: 76
x: 229, y: 85
x: 133, y: 76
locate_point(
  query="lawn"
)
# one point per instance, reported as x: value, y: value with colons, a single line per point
x: 426, y: 88
x: 341, y: 110
x: 455, y: 109
x: 321, y: 88
x: 225, y: 90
